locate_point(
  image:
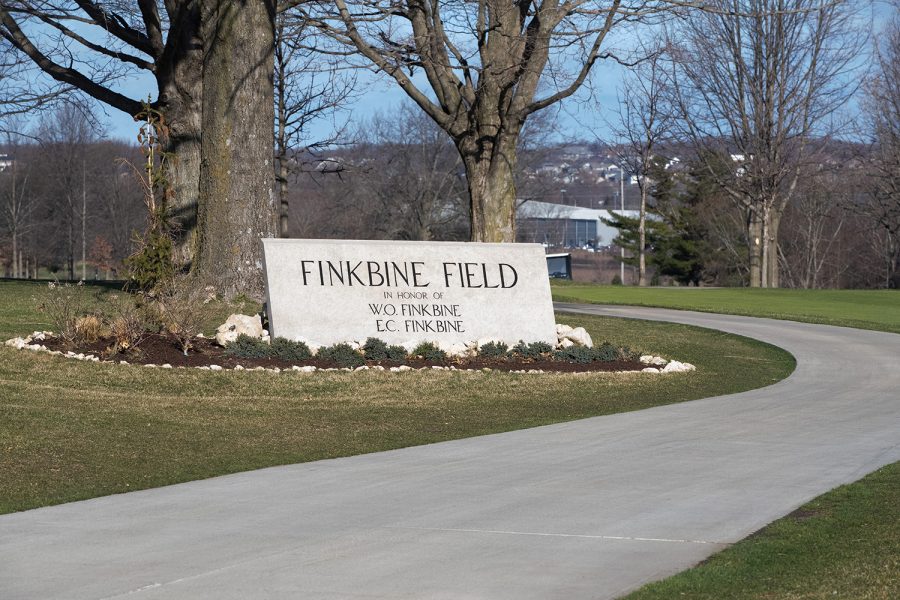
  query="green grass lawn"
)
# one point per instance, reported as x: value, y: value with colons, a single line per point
x: 71, y: 430
x: 865, y: 309
x: 844, y: 544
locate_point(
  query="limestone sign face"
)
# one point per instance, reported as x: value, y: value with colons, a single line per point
x: 329, y: 291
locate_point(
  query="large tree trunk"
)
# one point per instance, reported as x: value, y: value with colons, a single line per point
x: 490, y: 169
x: 773, y: 274
x: 237, y: 202
x: 754, y: 247
x: 180, y: 82
x: 15, y: 257
x: 642, y: 236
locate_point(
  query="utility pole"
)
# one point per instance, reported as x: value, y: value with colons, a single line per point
x: 622, y: 201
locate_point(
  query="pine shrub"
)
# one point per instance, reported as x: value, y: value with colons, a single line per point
x: 342, y: 354
x: 249, y: 347
x: 576, y: 354
x: 396, y: 353
x: 606, y: 352
x: 290, y: 350
x: 429, y: 352
x: 493, y: 350
x: 376, y: 349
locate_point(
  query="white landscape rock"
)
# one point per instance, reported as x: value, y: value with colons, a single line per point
x: 656, y: 361
x: 459, y: 350
x: 236, y: 325
x: 454, y: 349
x: 17, y: 343
x: 562, y: 330
x: 579, y: 336
x: 678, y: 367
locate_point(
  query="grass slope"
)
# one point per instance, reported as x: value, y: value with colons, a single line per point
x: 71, y: 430
x: 864, y: 309
x: 843, y: 544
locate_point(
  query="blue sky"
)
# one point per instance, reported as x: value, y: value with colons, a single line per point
x: 584, y: 116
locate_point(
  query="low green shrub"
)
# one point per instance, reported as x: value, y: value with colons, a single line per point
x: 375, y: 349
x: 248, y: 347
x: 626, y: 353
x: 430, y: 352
x: 493, y: 350
x: 290, y: 350
x: 577, y: 354
x: 533, y: 350
x: 342, y: 354
x: 396, y: 353
x: 606, y: 352
x: 540, y: 348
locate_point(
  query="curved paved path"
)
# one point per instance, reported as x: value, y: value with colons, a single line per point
x: 586, y: 509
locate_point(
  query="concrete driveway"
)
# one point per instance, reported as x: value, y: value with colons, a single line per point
x: 586, y: 509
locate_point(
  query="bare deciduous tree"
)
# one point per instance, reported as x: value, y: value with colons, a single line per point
x: 416, y: 177
x: 755, y: 79
x: 479, y: 70
x: 644, y: 123
x: 882, y: 119
x: 308, y: 88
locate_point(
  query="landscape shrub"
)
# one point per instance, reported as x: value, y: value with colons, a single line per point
x: 576, y: 354
x: 396, y: 353
x: 531, y: 351
x: 64, y: 304
x: 493, y: 350
x: 152, y: 264
x: 88, y: 328
x: 342, y: 354
x: 127, y: 320
x: 606, y: 352
x: 521, y: 350
x: 127, y: 330
x: 375, y: 349
x: 246, y: 346
x: 429, y: 352
x: 626, y: 353
x: 289, y: 350
x: 180, y: 306
x: 540, y: 348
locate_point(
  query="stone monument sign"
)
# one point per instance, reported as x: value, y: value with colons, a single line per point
x: 329, y: 291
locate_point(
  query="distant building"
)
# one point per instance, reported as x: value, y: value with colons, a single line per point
x: 566, y: 226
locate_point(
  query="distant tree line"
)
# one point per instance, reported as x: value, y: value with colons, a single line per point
x: 70, y: 206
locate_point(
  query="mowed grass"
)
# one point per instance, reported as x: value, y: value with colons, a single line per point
x: 864, y: 309
x: 844, y: 544
x: 71, y: 430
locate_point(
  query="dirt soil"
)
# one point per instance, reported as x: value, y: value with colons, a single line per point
x: 160, y: 349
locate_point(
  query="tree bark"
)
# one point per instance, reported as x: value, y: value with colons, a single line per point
x: 754, y: 247
x: 490, y: 175
x: 180, y: 85
x: 642, y: 236
x: 236, y: 189
x: 773, y: 274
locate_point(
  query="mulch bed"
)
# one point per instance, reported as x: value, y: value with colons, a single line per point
x: 161, y: 349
